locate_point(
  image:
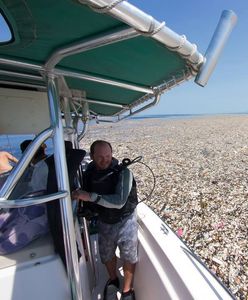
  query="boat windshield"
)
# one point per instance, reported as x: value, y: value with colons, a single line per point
x: 5, y: 34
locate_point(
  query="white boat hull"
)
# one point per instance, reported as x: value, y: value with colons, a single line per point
x: 167, y: 268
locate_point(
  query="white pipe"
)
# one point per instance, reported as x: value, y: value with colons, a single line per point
x: 227, y: 21
x: 100, y: 102
x: 24, y: 202
x: 132, y: 87
x: 143, y: 22
x: 89, y: 44
x: 85, y: 119
x: 63, y: 72
x: 63, y: 185
x: 17, y: 172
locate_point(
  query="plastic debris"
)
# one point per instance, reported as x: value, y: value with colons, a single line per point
x: 201, y: 167
x: 180, y: 231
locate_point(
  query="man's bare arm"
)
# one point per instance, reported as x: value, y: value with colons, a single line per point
x: 5, y: 158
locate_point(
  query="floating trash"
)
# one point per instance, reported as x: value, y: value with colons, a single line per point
x: 201, y: 169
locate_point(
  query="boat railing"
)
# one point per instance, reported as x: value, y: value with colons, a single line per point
x: 25, y: 160
x: 24, y: 202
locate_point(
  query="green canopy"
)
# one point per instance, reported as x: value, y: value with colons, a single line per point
x: 40, y: 28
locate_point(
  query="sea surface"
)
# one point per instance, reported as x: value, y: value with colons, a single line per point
x: 200, y: 165
x: 170, y: 116
x: 11, y: 143
x: 181, y: 116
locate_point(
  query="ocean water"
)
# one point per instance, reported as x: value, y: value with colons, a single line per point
x: 163, y: 116
x: 185, y: 116
x: 11, y: 143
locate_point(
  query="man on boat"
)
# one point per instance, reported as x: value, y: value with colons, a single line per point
x: 113, y: 191
x: 37, y: 173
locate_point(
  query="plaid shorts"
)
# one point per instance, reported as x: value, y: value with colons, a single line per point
x: 123, y: 234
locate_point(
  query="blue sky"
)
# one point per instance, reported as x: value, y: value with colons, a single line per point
x: 5, y: 34
x: 227, y: 89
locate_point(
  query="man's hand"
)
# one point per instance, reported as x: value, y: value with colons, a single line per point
x: 80, y: 195
x: 5, y: 158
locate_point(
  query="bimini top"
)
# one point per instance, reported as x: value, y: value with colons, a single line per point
x: 108, y: 52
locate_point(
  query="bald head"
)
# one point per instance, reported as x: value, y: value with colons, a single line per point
x: 101, y: 154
